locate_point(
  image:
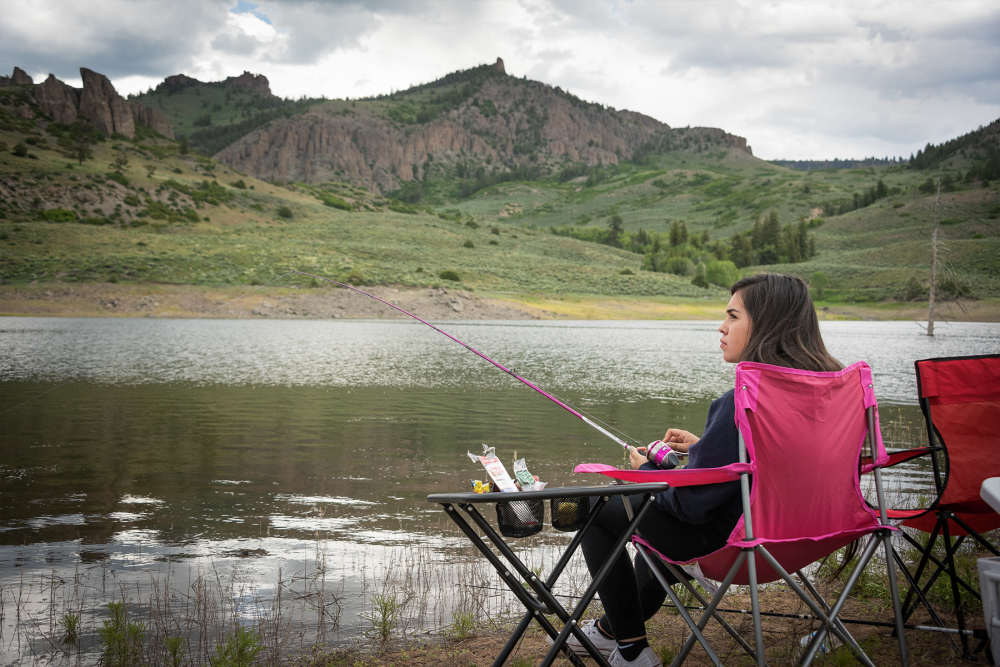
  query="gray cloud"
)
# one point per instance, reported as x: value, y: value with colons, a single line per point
x: 237, y: 45
x: 115, y: 38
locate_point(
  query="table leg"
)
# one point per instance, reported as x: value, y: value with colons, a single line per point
x: 550, y: 582
x: 534, y: 608
x: 572, y: 624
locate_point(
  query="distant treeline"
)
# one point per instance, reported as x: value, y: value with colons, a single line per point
x: 680, y: 252
x: 213, y: 139
x: 981, y: 144
x: 807, y: 165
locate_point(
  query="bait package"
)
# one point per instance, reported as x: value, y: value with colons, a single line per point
x: 527, y: 481
x: 495, y: 469
x: 516, y: 518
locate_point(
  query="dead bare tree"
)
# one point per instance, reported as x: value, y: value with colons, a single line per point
x: 930, y: 305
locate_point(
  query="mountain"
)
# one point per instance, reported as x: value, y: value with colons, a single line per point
x: 479, y: 120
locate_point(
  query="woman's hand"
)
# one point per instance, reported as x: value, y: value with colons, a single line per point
x: 680, y: 441
x: 636, y: 458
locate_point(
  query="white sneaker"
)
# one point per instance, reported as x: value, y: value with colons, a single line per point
x: 603, y: 644
x: 646, y: 659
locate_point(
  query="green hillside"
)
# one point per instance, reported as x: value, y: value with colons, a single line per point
x: 212, y: 115
x: 143, y: 210
x: 174, y: 218
x: 868, y: 253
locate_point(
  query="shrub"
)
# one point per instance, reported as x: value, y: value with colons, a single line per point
x: 20, y: 150
x: 132, y: 200
x: 384, y: 617
x: 70, y: 623
x: 818, y: 282
x: 355, y: 278
x: 239, y: 649
x: 679, y: 266
x: 950, y: 286
x: 285, y: 212
x: 472, y: 224
x: 121, y: 640
x: 463, y: 626
x: 448, y: 274
x: 59, y: 215
x: 721, y: 273
x: 239, y: 184
x: 699, y: 279
x: 118, y: 177
x: 469, y: 244
x: 336, y: 202
x: 623, y: 272
x: 911, y: 290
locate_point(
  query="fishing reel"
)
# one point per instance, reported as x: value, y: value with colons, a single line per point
x: 661, y: 455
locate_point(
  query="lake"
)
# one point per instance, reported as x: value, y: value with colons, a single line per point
x: 294, y: 457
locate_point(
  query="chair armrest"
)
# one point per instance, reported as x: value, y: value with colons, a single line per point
x: 896, y: 458
x: 684, y: 477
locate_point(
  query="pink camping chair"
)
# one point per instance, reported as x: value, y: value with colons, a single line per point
x: 802, y: 438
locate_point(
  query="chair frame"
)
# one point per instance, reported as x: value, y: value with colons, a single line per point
x: 827, y: 614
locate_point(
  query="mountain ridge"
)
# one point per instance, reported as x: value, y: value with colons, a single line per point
x: 488, y: 120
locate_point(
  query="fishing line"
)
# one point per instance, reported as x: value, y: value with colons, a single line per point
x: 509, y: 372
x: 63, y: 384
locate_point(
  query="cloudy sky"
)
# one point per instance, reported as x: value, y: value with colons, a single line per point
x: 799, y: 80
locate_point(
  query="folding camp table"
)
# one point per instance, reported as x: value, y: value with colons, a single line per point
x: 540, y: 601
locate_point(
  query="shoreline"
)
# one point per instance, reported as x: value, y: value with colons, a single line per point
x: 438, y: 303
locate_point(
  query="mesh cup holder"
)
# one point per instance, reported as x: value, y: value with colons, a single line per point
x: 520, y: 518
x: 569, y: 514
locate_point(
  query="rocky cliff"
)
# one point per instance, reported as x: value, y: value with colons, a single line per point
x: 177, y: 83
x: 58, y: 99
x: 19, y: 78
x: 502, y: 122
x: 155, y: 119
x: 257, y: 83
x: 97, y: 100
x: 106, y: 109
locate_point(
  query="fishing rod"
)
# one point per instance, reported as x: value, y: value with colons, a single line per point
x: 662, y: 456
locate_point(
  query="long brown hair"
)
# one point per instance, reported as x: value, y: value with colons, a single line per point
x: 784, y: 330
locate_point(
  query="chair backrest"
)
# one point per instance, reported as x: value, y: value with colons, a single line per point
x: 804, y: 433
x: 960, y: 399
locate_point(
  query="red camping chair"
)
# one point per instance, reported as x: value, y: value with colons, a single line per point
x: 960, y: 399
x: 803, y: 434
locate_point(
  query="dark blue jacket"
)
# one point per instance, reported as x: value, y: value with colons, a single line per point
x: 717, y: 504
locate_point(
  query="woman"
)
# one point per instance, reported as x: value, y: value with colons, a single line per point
x: 770, y: 319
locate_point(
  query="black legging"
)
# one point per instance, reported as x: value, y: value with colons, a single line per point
x: 631, y: 595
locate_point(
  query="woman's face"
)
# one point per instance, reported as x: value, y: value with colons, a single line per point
x: 735, y: 330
